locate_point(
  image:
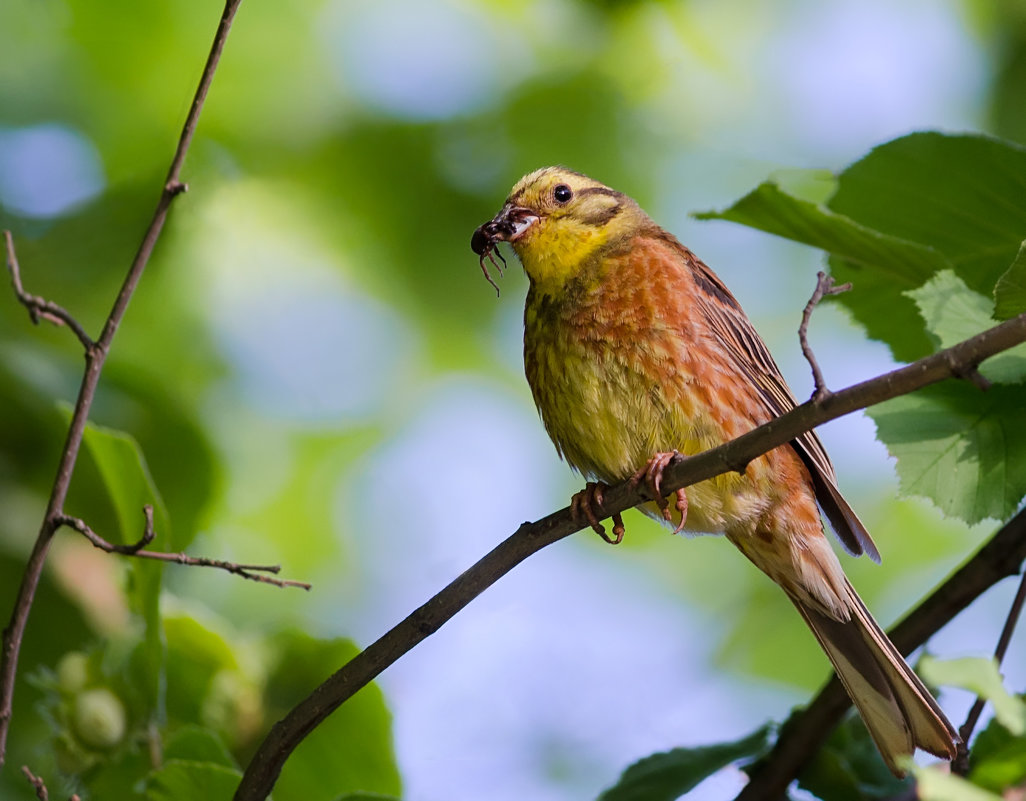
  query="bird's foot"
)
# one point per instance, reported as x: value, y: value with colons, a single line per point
x: 652, y: 475
x: 588, y: 503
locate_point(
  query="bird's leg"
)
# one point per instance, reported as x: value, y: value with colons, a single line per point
x: 652, y: 474
x: 584, y: 504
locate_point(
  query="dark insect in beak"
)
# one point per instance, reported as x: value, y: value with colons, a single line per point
x: 483, y: 244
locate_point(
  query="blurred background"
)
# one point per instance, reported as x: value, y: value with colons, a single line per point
x: 319, y: 376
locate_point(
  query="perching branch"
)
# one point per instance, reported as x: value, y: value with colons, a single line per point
x: 286, y: 735
x: 40, y: 786
x: 96, y: 355
x: 251, y: 572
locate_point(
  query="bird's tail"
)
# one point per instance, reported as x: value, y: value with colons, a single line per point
x: 898, y: 710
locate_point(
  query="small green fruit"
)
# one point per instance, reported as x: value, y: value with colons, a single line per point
x: 98, y: 718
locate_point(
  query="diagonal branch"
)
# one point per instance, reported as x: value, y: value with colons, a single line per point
x: 136, y: 549
x: 286, y: 735
x: 96, y: 355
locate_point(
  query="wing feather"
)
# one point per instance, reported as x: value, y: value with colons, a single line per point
x: 753, y: 360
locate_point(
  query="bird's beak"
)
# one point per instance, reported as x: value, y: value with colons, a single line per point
x: 506, y: 226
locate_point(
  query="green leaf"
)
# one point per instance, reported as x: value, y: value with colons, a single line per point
x: 962, y: 448
x: 770, y: 208
x: 180, y: 779
x: 909, y: 209
x: 848, y: 767
x: 1010, y: 290
x: 197, y: 744
x: 933, y: 784
x: 319, y: 768
x: 124, y: 473
x: 998, y: 758
x: 367, y: 797
x: 981, y: 676
x: 669, y: 775
x: 953, y: 312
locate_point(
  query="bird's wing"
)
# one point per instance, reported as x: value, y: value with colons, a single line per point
x: 753, y: 360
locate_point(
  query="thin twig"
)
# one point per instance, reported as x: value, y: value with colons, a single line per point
x: 288, y: 733
x: 251, y: 572
x: 37, y: 783
x: 824, y: 286
x: 803, y: 735
x: 40, y: 308
x: 96, y: 355
x: 960, y: 764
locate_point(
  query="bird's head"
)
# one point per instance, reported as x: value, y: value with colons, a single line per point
x: 556, y: 219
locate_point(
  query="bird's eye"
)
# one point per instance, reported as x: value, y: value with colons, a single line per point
x: 562, y: 193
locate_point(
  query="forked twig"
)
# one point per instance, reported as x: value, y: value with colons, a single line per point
x: 251, y: 572
x: 824, y: 286
x: 40, y: 308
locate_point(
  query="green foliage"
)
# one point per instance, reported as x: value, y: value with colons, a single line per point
x: 998, y: 758
x: 926, y: 227
x: 934, y: 784
x: 1010, y: 290
x: 201, y: 781
x: 981, y: 676
x: 849, y: 768
x: 669, y: 775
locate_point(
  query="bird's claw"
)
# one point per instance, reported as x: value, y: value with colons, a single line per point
x: 652, y: 475
x: 584, y: 504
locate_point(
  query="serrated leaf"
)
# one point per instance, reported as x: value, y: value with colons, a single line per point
x: 179, y: 779
x: 770, y: 208
x: 848, y: 767
x: 982, y: 677
x: 962, y: 448
x: 953, y: 312
x: 669, y: 775
x: 933, y: 784
x: 910, y: 208
x: 998, y: 758
x: 1010, y: 289
x: 197, y: 744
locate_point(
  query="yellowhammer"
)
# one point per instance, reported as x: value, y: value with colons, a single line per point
x: 635, y: 350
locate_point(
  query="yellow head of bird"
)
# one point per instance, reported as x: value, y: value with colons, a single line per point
x: 557, y: 221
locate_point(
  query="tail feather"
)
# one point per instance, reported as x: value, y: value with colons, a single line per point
x: 898, y: 710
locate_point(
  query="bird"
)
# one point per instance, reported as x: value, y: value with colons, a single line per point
x: 638, y: 355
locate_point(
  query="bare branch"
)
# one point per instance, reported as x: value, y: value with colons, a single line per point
x: 96, y: 355
x: 824, y: 286
x: 286, y: 735
x: 40, y: 308
x: 37, y: 783
x: 251, y: 572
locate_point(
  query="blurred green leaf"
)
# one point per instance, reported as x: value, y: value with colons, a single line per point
x: 935, y: 784
x: 367, y: 797
x: 127, y: 480
x: 197, y: 744
x: 1010, y: 290
x: 848, y: 767
x: 962, y: 448
x: 352, y: 749
x: 669, y: 775
x: 998, y: 758
x: 180, y: 779
x: 982, y: 677
x: 953, y: 312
